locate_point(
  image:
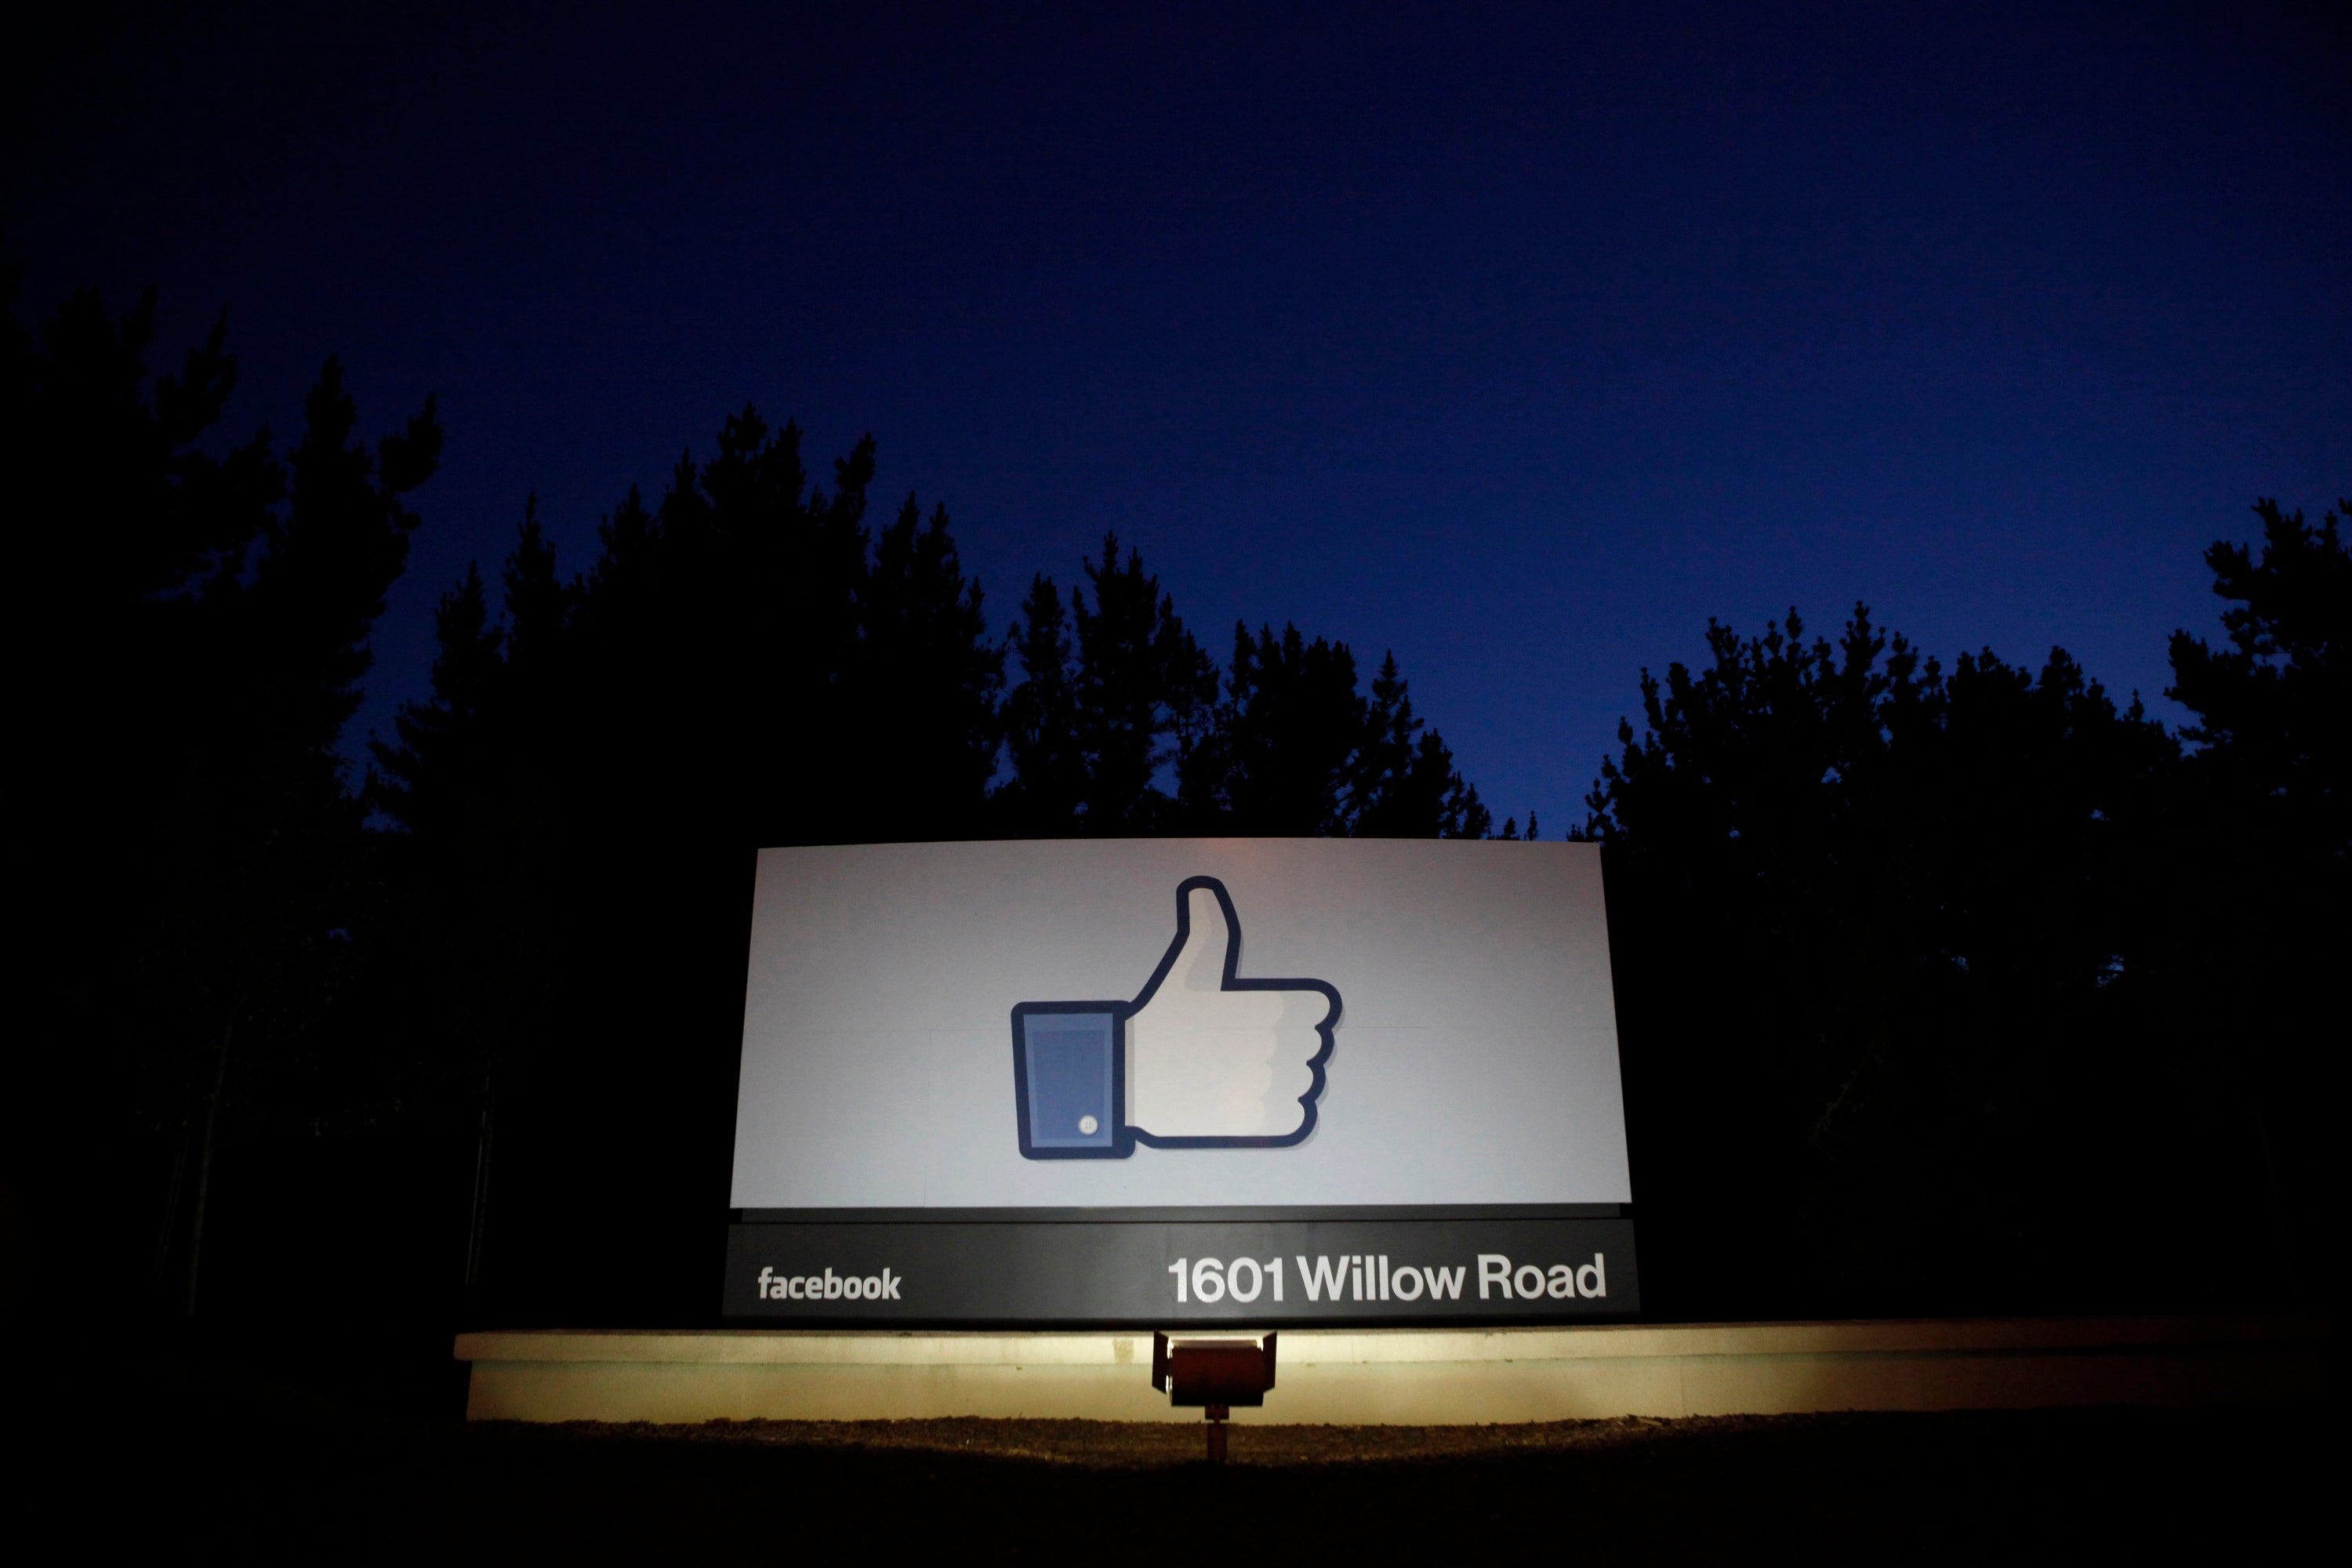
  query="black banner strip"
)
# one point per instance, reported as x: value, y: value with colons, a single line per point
x: 1142, y: 1273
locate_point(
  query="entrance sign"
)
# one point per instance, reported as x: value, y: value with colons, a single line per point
x: 1343, y: 1079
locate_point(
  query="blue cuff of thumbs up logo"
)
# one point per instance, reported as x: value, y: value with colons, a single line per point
x: 1198, y: 1059
x: 1070, y: 1076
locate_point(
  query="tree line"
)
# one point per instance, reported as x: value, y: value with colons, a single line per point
x: 1940, y: 988
x: 1976, y: 988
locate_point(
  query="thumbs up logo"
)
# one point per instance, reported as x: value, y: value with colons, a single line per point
x: 1200, y: 1060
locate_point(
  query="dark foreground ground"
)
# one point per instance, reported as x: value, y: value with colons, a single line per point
x: 216, y: 1466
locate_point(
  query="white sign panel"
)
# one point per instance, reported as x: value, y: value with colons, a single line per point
x: 1179, y: 1023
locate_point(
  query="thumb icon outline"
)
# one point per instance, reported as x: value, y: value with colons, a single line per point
x: 1118, y: 1139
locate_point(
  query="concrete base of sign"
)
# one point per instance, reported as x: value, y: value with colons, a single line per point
x: 1405, y: 1376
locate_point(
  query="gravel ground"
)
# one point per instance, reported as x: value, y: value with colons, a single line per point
x: 213, y: 1466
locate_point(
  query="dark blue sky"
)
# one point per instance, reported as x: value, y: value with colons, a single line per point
x: 1518, y: 340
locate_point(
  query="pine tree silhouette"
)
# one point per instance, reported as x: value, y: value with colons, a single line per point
x: 200, y: 862
x: 2257, y: 933
x: 1876, y: 926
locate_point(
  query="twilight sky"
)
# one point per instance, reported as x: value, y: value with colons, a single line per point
x: 1519, y: 340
